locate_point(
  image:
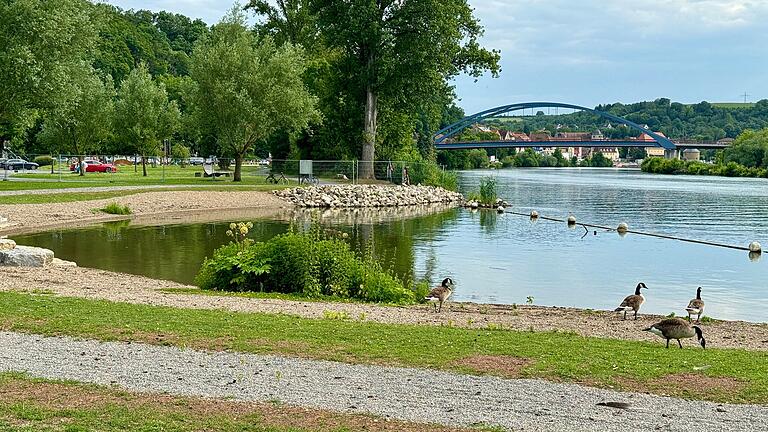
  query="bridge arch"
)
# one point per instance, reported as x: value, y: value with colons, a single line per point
x: 457, y: 127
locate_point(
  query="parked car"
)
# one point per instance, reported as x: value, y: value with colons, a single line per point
x: 19, y: 164
x: 95, y: 166
x: 196, y: 161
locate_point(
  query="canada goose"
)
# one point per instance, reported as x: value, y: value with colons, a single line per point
x: 696, y: 306
x: 677, y: 328
x: 632, y: 302
x: 440, y: 294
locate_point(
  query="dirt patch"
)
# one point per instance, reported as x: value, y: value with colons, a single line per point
x: 683, y: 385
x: 693, y: 382
x: 505, y: 366
x: 85, y: 397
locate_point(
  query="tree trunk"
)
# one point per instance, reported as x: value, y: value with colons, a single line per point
x: 238, y: 167
x: 144, y: 165
x: 369, y: 135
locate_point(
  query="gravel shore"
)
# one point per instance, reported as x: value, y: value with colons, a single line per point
x: 37, y: 217
x: 105, y: 285
x: 402, y: 393
x: 94, y: 189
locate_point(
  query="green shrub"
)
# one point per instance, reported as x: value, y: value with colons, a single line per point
x: 431, y: 174
x: 306, y: 263
x: 659, y: 165
x: 43, y: 161
x: 116, y: 209
x: 507, y: 161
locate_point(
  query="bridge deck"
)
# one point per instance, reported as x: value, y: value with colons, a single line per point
x: 465, y: 145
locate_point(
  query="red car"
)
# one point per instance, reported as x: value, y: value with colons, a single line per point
x: 95, y: 166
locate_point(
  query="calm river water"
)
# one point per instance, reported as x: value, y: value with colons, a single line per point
x: 507, y: 258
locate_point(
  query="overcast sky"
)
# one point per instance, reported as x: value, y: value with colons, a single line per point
x: 588, y: 52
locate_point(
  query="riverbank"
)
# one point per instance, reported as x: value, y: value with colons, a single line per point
x: 118, y: 287
x: 148, y: 206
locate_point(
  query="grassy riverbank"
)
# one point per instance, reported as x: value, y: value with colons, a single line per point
x: 28, y: 404
x: 725, y: 375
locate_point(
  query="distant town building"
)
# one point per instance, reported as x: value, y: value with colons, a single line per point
x: 727, y: 141
x: 572, y: 136
x: 542, y: 135
x: 582, y: 153
x: 597, y: 135
x: 652, y: 151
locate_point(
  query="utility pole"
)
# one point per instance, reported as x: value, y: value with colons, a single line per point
x: 745, y: 97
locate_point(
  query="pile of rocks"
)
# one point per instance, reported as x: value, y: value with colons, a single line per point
x: 12, y: 255
x: 368, y: 196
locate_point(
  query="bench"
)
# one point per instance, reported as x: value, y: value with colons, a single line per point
x: 209, y: 171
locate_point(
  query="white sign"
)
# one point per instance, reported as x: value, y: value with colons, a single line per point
x: 305, y: 167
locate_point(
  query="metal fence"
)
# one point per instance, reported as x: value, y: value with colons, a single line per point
x: 67, y: 167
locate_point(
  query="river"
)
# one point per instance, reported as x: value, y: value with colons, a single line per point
x: 511, y: 259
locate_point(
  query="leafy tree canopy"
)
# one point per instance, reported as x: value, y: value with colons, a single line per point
x: 249, y: 88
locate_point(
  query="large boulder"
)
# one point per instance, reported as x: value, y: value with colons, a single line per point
x: 7, y: 244
x: 26, y: 256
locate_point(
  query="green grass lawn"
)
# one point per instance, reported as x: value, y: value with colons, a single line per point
x: 733, y: 105
x: 730, y: 375
x: 28, y: 404
x: 126, y: 176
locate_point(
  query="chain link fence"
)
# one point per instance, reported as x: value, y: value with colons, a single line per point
x: 116, y: 168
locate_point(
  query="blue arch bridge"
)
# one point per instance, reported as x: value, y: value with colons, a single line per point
x: 443, y: 138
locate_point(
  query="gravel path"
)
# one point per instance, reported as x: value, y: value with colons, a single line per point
x: 36, y: 217
x: 105, y: 285
x: 407, y: 394
x: 94, y: 189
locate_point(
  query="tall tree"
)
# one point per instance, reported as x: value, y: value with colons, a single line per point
x: 288, y: 21
x: 143, y: 115
x: 401, y: 52
x: 248, y: 88
x: 81, y: 125
x: 40, y: 42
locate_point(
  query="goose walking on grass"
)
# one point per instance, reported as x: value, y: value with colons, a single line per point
x: 440, y: 294
x: 696, y: 306
x: 677, y: 328
x: 632, y: 302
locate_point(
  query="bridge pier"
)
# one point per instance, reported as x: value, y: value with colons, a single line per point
x: 672, y: 154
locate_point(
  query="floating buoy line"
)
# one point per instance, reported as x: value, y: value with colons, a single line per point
x: 754, y: 248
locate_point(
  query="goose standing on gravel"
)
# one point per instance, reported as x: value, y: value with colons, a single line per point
x: 696, y: 306
x: 440, y: 294
x: 632, y: 302
x: 677, y: 328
